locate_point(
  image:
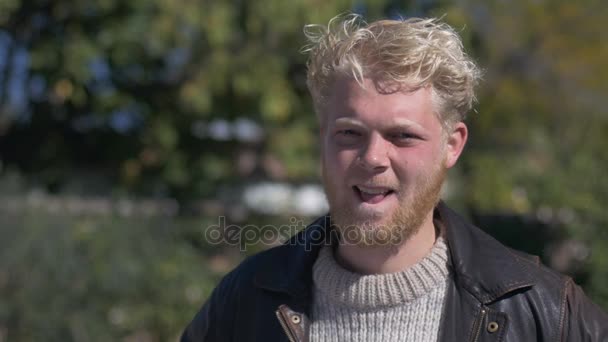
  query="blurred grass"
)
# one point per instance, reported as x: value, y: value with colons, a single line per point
x: 104, y: 278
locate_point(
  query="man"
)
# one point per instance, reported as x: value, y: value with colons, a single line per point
x: 391, y: 262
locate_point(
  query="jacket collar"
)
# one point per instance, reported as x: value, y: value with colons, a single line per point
x: 481, y: 265
x: 289, y: 269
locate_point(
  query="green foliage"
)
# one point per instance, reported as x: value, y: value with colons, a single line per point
x: 536, y: 146
x: 102, y: 279
x: 170, y: 65
x: 537, y: 137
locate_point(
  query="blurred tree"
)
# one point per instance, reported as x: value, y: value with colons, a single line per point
x: 538, y: 139
x: 145, y: 94
x: 179, y: 97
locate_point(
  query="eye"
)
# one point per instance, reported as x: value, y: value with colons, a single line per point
x: 404, y: 137
x: 348, y: 132
x: 347, y: 137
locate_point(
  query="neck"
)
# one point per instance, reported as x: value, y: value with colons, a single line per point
x: 388, y: 259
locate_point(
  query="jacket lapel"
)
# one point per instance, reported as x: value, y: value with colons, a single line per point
x: 290, y: 275
x: 481, y: 265
x: 292, y: 272
x: 483, y: 271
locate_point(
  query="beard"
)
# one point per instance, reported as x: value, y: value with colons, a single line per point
x: 365, y: 230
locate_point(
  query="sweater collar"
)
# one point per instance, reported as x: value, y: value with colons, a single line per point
x: 373, y: 291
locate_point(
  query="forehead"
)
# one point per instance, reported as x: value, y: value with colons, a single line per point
x: 367, y: 102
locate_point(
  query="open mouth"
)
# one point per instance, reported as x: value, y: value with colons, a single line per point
x: 372, y: 195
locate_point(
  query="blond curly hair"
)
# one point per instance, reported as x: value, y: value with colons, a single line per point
x: 408, y: 54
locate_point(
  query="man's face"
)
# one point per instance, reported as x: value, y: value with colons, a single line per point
x: 383, y: 159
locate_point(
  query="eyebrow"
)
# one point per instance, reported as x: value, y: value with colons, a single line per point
x: 349, y: 121
x: 405, y: 123
x: 396, y: 123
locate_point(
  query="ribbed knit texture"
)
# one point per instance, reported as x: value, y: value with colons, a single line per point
x: 401, y: 306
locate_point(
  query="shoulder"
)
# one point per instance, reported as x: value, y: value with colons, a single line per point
x: 540, y: 272
x: 579, y: 319
x: 280, y: 268
x: 491, y: 271
x: 219, y: 314
x: 248, y: 273
x: 553, y: 301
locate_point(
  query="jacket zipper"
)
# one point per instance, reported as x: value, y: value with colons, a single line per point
x: 478, y: 325
x: 288, y: 332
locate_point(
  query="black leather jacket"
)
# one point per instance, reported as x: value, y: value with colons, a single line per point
x: 497, y: 294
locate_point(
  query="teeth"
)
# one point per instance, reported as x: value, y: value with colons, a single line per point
x: 373, y: 191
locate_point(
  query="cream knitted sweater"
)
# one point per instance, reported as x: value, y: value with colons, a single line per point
x: 402, y: 306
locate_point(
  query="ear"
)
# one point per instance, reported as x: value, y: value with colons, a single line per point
x: 456, y: 140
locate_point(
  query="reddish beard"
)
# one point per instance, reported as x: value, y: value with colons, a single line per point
x: 414, y: 207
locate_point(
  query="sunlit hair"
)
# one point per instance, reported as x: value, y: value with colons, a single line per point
x: 397, y: 55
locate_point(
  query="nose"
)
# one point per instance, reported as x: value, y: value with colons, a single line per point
x: 374, y: 155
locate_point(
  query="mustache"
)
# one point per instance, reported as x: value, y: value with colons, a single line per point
x: 377, y: 182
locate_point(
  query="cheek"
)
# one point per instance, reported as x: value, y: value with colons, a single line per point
x: 336, y: 169
x: 414, y: 162
x: 343, y: 160
x: 337, y: 159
